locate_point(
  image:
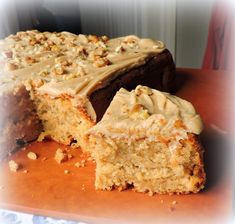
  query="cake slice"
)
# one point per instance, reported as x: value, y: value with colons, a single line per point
x: 148, y: 139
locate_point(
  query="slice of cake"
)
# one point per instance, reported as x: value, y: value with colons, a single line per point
x: 71, y: 79
x: 148, y: 139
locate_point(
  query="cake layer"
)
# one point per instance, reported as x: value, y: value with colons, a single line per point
x: 148, y: 139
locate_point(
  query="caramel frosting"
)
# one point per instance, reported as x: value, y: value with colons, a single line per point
x: 150, y: 110
x: 67, y: 64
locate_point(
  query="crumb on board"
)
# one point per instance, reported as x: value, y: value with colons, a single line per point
x: 70, y: 156
x: 174, y: 202
x: 83, y: 187
x: 66, y: 171
x: 61, y: 155
x: 32, y: 155
x: 25, y: 171
x: 82, y: 163
x: 89, y: 158
x: 44, y: 158
x: 161, y: 201
x: 14, y: 166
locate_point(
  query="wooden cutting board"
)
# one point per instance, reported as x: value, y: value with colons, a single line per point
x: 46, y: 189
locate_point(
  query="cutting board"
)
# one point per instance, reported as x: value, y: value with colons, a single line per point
x: 43, y: 187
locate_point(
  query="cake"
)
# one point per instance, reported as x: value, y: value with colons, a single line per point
x: 58, y: 85
x: 148, y: 139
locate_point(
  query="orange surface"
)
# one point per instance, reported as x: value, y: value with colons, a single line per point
x: 47, y: 190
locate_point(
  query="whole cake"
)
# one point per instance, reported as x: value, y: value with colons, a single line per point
x: 58, y: 85
x: 148, y: 139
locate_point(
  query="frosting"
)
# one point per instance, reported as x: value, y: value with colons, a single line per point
x: 65, y: 63
x: 151, y: 110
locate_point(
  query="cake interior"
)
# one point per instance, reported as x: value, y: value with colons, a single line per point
x: 147, y: 165
x: 61, y: 120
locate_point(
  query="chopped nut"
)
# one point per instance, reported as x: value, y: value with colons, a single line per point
x: 93, y: 38
x: 120, y: 49
x: 131, y: 41
x: 55, y: 48
x: 11, y: 66
x: 58, y: 69
x: 13, y: 166
x: 139, y: 112
x: 30, y: 60
x: 32, y: 155
x: 7, y: 54
x: 159, y: 45
x: 32, y: 41
x: 104, y: 39
x: 40, y: 37
x: 43, y: 73
x: 101, y: 62
x: 60, y: 156
x: 100, y: 52
x: 143, y: 89
x: 83, y: 38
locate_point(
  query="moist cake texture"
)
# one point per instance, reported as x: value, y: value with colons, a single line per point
x: 148, y: 139
x: 70, y: 80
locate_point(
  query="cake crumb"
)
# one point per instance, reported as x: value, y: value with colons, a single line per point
x: 70, y: 156
x: 32, y: 155
x: 83, y: 187
x: 161, y: 201
x: 82, y: 163
x: 60, y: 156
x: 25, y: 171
x: 89, y: 158
x: 14, y: 167
x: 66, y: 171
x: 174, y: 202
x: 44, y: 158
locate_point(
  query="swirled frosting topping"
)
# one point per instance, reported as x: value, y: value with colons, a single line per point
x: 151, y: 110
